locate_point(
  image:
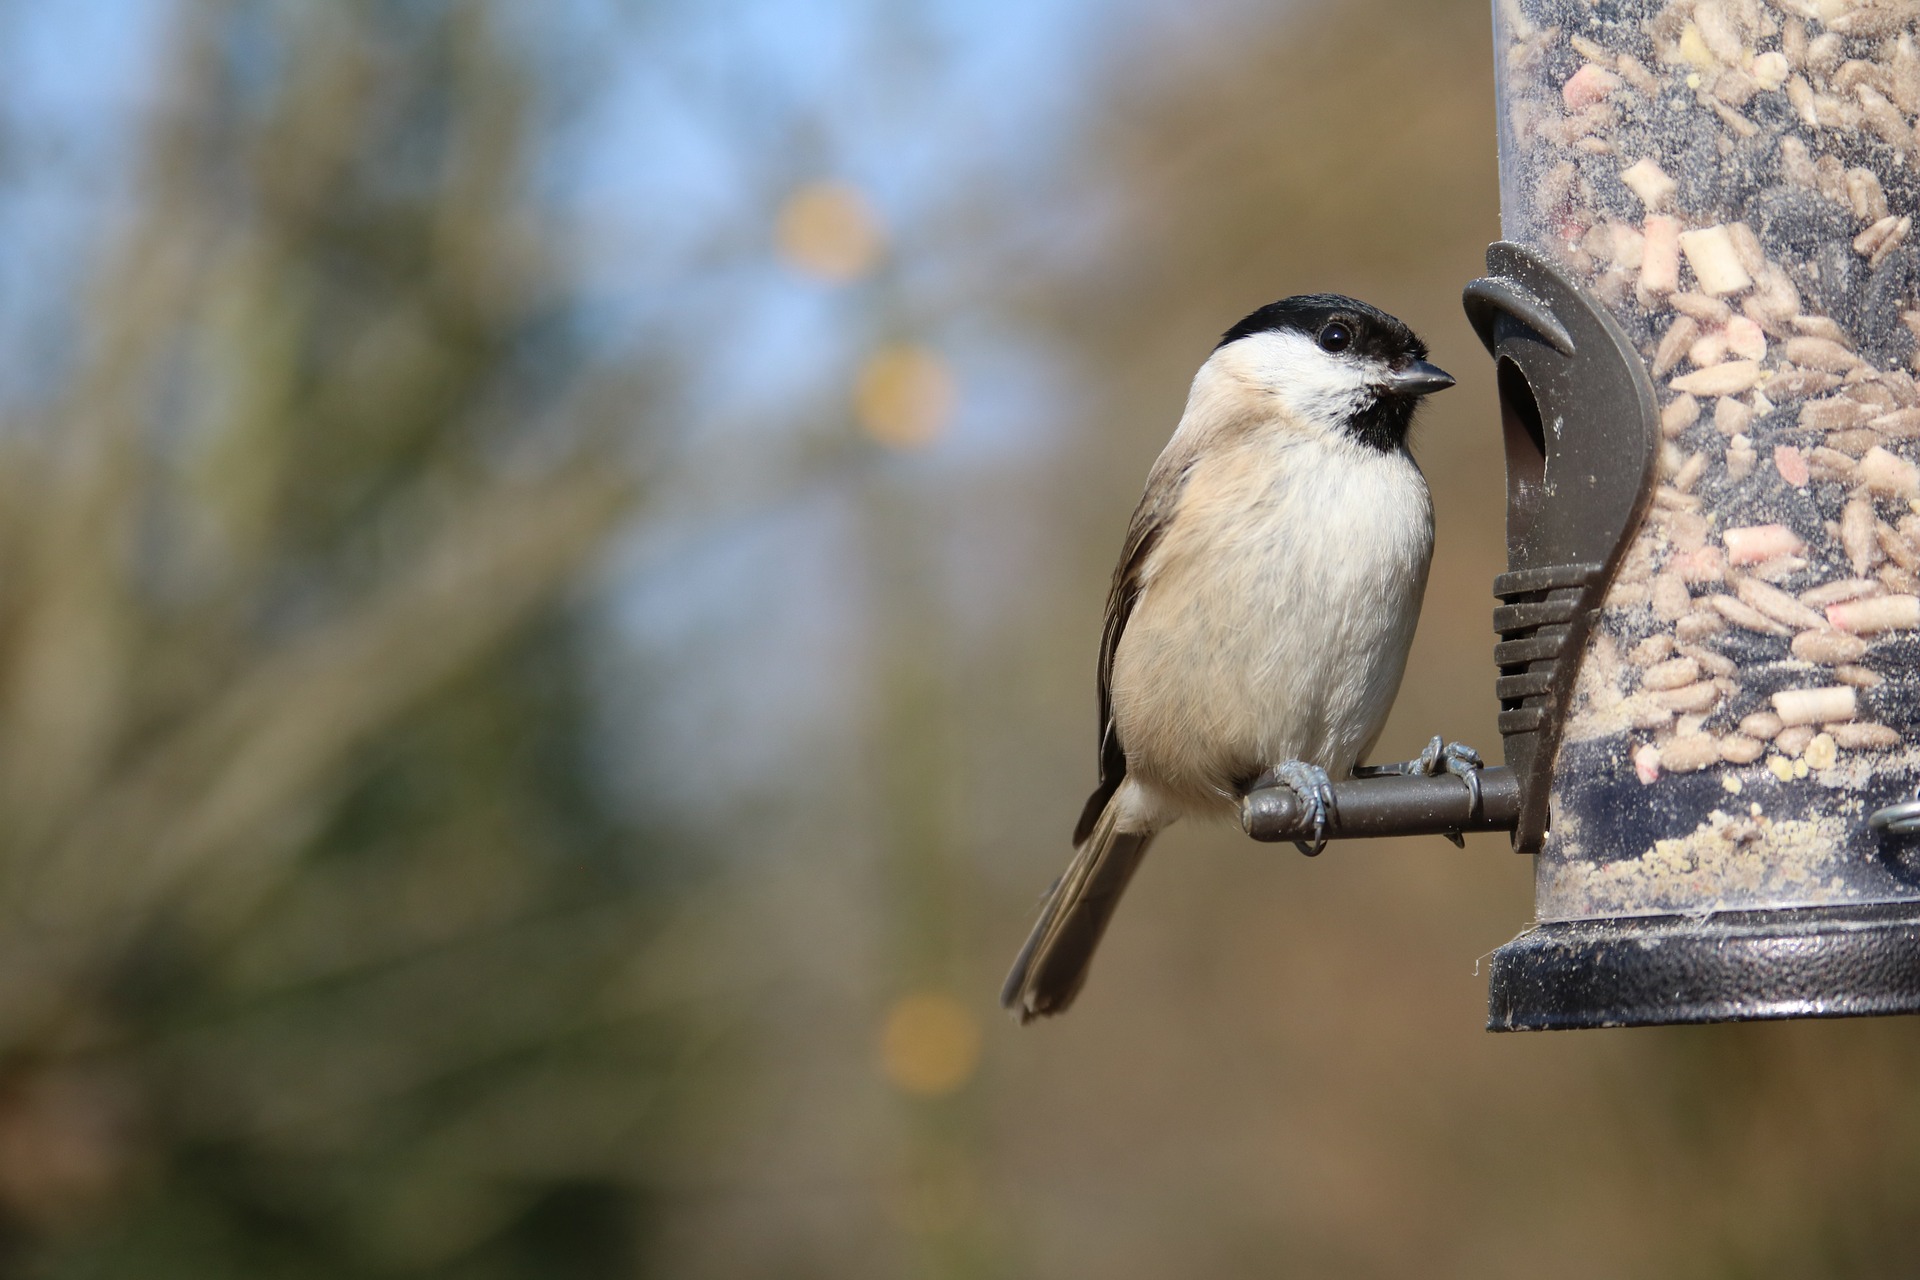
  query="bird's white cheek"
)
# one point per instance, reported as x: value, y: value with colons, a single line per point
x: 1337, y: 395
x: 1311, y: 384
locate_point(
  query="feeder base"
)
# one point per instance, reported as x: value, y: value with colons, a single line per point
x: 1730, y: 966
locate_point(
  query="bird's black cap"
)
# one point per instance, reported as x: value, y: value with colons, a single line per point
x: 1376, y: 335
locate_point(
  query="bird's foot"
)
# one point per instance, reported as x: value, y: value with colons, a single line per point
x: 1439, y: 756
x: 1315, y: 789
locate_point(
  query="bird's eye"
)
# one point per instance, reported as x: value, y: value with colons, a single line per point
x: 1335, y: 336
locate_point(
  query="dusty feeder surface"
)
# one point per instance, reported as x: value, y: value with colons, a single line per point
x: 1736, y: 180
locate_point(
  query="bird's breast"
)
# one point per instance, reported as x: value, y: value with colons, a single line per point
x: 1275, y: 616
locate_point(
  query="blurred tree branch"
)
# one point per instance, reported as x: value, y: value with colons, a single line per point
x: 296, y: 585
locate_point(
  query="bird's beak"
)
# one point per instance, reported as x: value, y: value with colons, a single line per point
x: 1418, y: 379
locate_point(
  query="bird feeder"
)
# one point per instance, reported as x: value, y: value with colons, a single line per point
x: 1703, y: 319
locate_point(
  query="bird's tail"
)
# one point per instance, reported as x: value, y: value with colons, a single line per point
x: 1051, y: 966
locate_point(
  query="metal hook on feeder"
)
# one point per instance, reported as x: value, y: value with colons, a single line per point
x: 1897, y: 819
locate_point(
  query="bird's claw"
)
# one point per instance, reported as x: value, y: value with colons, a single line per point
x: 1464, y: 763
x: 1315, y: 789
x: 1439, y: 756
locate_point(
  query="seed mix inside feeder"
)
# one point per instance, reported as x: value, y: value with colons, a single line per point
x: 1733, y: 182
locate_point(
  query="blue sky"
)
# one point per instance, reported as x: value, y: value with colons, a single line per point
x: 672, y: 132
x: 745, y: 605
x: 76, y: 74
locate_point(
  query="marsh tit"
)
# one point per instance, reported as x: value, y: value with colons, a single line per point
x: 1262, y: 608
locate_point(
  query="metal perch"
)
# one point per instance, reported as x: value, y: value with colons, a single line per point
x: 1390, y: 806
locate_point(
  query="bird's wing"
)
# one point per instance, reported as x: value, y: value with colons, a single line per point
x: 1164, y: 485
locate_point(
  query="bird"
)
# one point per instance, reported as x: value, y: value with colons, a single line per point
x: 1260, y: 615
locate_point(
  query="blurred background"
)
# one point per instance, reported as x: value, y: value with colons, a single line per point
x: 550, y: 564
